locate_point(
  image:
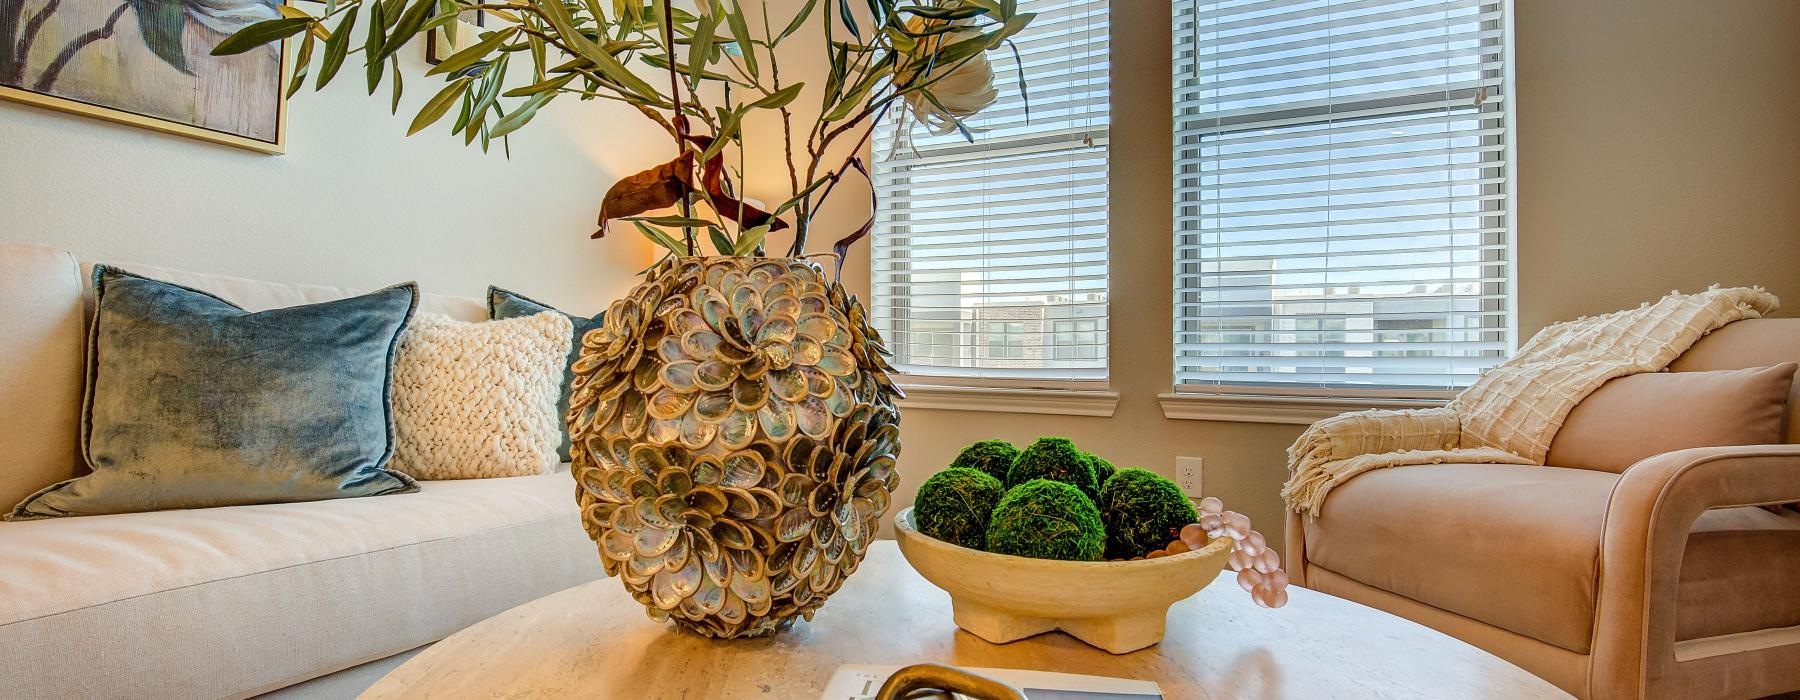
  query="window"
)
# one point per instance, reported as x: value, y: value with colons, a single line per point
x: 1005, y: 341
x: 1341, y: 194
x: 979, y: 249
x: 1075, y: 340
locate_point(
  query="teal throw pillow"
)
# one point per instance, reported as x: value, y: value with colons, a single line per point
x: 193, y: 402
x: 503, y: 304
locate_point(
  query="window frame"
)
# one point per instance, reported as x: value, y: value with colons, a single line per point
x: 1086, y: 390
x: 1304, y: 404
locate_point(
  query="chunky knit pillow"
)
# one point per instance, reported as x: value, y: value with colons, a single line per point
x: 478, y: 400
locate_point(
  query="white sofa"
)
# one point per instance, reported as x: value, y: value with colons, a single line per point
x: 318, y: 598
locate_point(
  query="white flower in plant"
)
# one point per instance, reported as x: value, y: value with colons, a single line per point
x: 962, y: 89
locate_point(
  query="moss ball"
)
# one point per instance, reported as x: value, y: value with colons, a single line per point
x: 1142, y: 511
x: 1047, y: 519
x: 991, y: 456
x: 954, y: 505
x: 1103, y: 469
x: 1055, y: 459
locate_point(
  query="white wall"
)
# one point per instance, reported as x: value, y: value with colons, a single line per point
x: 352, y: 203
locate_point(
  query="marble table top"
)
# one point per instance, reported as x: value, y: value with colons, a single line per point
x: 594, y: 641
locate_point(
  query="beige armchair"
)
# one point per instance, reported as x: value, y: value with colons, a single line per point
x: 1663, y: 580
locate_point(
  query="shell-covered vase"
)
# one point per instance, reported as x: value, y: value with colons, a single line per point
x: 735, y: 435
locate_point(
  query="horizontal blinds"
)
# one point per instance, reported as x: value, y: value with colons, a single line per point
x: 1340, y: 193
x: 989, y: 258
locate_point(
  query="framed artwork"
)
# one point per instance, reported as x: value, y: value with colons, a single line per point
x: 454, y: 37
x: 148, y: 63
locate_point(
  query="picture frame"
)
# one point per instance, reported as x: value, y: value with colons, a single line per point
x: 103, y: 59
x: 439, y: 45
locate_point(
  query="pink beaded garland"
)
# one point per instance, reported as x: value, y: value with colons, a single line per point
x: 1258, y: 566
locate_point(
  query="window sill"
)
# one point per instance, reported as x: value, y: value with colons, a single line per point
x: 1061, y: 402
x: 1290, y: 410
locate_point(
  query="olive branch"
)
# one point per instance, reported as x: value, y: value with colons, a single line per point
x: 586, y: 49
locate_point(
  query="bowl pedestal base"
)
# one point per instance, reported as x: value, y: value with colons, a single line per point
x: 1119, y: 634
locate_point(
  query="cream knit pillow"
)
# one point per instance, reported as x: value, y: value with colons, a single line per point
x: 478, y: 400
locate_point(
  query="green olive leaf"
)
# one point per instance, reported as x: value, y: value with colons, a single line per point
x: 336, y: 48
x: 660, y: 238
x: 740, y: 30
x: 750, y: 239
x: 266, y: 31
x: 302, y: 62
x: 520, y: 116
x: 409, y: 25
x: 584, y: 47
x: 439, y: 105
x: 720, y: 241
x: 467, y: 57
x: 542, y: 86
x: 779, y: 98
x: 797, y: 22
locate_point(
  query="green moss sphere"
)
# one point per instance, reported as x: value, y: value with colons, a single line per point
x: 992, y: 456
x: 1055, y: 459
x: 1103, y: 469
x: 1047, y: 519
x: 954, y: 505
x: 1142, y: 512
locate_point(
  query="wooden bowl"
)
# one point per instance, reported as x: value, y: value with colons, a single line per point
x: 1119, y: 606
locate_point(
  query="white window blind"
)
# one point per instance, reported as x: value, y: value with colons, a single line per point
x: 989, y: 258
x: 1341, y: 194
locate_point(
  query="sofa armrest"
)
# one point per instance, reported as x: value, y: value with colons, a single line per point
x: 1648, y: 518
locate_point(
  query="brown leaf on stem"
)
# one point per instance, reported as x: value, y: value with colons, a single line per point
x: 711, y: 174
x: 842, y: 247
x: 659, y: 187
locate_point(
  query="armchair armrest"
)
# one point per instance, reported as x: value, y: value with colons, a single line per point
x: 1648, y: 518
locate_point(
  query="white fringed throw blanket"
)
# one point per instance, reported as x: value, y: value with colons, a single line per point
x: 1513, y: 411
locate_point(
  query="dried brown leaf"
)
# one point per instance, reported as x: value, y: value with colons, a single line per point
x: 657, y: 188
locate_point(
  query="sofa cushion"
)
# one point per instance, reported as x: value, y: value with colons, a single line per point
x: 1757, y: 342
x: 504, y: 304
x: 1631, y: 417
x: 478, y: 400
x: 260, y: 295
x: 249, y: 598
x: 1518, y: 547
x: 40, y: 369
x: 193, y: 402
x: 1511, y: 545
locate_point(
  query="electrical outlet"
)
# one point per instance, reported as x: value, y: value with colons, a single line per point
x: 1187, y: 475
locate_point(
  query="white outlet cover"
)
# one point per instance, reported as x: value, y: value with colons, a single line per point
x: 1187, y: 475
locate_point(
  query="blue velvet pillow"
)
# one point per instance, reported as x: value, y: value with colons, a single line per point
x: 193, y: 402
x: 503, y: 304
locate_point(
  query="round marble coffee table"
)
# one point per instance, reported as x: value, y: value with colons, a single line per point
x: 593, y: 641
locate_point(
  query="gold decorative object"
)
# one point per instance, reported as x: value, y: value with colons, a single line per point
x: 918, y: 680
x: 735, y: 436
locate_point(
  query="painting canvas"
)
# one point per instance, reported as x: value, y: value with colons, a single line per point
x: 148, y: 63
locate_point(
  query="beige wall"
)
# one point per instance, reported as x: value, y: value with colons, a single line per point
x: 353, y: 203
x: 1659, y: 148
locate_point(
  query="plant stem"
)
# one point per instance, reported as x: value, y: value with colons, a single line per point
x: 787, y: 117
x: 680, y: 120
x: 838, y: 173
